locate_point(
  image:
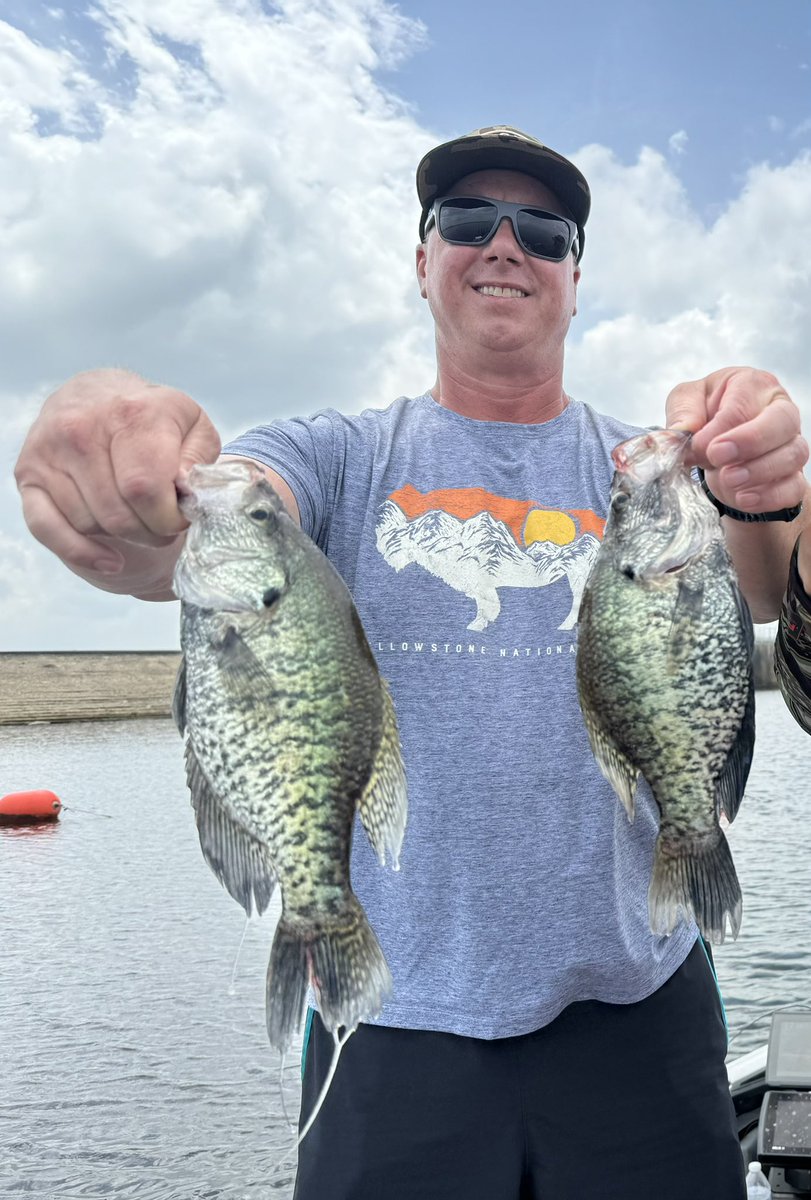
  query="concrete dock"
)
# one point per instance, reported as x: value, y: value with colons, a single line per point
x: 86, y: 686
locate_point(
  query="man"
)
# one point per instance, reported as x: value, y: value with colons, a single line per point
x: 539, y: 1040
x: 792, y: 647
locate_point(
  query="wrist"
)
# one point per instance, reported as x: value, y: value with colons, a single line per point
x: 738, y: 514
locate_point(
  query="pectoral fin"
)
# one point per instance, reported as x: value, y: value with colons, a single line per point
x: 240, y: 669
x: 383, y: 805
x: 241, y: 863
x: 684, y: 623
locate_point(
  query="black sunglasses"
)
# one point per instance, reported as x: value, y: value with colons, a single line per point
x: 473, y: 220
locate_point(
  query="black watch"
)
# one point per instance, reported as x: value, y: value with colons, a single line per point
x: 737, y: 514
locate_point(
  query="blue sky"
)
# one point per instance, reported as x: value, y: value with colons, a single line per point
x: 735, y: 75
x: 219, y: 194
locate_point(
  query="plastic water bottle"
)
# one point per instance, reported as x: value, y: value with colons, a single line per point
x: 757, y: 1185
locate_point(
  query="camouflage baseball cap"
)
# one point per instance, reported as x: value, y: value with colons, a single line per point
x: 502, y: 148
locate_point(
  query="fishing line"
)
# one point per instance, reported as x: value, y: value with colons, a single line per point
x: 291, y: 1124
x: 232, y: 987
x: 340, y: 1042
x: 756, y: 1020
x: 88, y: 812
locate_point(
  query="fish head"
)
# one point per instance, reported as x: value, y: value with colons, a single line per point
x: 233, y: 559
x: 658, y: 520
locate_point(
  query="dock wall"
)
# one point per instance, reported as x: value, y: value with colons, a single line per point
x: 86, y: 686
x: 94, y: 685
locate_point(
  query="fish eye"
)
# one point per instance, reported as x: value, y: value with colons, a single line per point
x: 620, y: 500
x: 259, y: 514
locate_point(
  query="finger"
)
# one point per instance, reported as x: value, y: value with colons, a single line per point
x: 68, y: 458
x: 734, y: 399
x: 54, y: 531
x: 110, y: 510
x: 737, y: 441
x: 146, y: 460
x: 68, y: 499
x: 771, y: 481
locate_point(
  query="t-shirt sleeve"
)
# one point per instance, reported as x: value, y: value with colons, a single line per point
x: 308, y: 453
x: 792, y: 648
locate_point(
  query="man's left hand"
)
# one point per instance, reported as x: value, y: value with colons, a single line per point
x: 746, y: 437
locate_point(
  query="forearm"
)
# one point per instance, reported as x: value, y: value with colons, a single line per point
x: 792, y: 648
x: 761, y: 554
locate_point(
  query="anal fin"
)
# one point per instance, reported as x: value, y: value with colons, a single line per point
x: 241, y: 863
x: 615, y: 766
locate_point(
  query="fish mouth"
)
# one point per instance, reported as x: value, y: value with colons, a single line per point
x: 662, y: 568
x: 212, y: 485
x: 651, y: 455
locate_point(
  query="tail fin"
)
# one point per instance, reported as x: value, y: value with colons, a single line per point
x: 342, y: 960
x: 698, y: 879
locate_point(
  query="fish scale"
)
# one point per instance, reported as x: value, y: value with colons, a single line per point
x: 665, y: 678
x: 290, y: 730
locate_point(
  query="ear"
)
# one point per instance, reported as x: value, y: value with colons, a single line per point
x: 575, y: 280
x: 421, y: 259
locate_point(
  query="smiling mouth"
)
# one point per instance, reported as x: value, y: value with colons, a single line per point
x: 509, y: 293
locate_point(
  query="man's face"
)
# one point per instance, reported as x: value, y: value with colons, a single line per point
x: 451, y: 279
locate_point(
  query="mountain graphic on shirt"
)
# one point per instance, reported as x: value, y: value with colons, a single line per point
x: 477, y: 542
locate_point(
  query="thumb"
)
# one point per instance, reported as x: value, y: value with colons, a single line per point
x: 696, y: 407
x: 686, y: 406
x: 201, y: 443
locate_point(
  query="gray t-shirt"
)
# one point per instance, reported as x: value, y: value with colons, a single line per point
x: 466, y: 545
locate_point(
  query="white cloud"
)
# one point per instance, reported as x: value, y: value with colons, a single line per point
x: 34, y: 77
x: 232, y: 210
x: 678, y: 142
x: 248, y: 207
x: 673, y: 298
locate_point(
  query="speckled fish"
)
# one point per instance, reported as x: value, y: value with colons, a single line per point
x: 664, y: 673
x: 290, y: 730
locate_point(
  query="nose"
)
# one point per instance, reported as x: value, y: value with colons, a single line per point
x: 504, y: 244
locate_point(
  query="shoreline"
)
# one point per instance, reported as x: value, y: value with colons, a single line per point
x: 96, y: 685
x: 85, y: 685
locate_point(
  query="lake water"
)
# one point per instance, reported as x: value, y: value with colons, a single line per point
x: 132, y: 1066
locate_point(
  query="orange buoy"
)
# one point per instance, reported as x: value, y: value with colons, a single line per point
x: 27, y: 808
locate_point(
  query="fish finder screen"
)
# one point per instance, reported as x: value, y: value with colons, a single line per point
x: 789, y: 1058
x: 792, y: 1124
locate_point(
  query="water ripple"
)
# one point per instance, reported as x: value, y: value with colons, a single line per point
x: 143, y: 1071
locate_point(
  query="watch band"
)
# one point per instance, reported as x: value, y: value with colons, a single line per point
x: 737, y: 514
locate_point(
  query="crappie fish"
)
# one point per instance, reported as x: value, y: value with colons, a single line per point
x: 664, y: 675
x: 290, y: 728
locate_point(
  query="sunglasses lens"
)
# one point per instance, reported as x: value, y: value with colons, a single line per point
x: 471, y: 221
x: 467, y: 221
x: 543, y: 235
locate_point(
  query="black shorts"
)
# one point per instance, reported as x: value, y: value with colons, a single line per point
x: 609, y: 1101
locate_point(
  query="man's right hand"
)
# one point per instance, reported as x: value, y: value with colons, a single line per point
x: 97, y: 477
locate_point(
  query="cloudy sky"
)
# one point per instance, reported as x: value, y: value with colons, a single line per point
x: 219, y: 194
